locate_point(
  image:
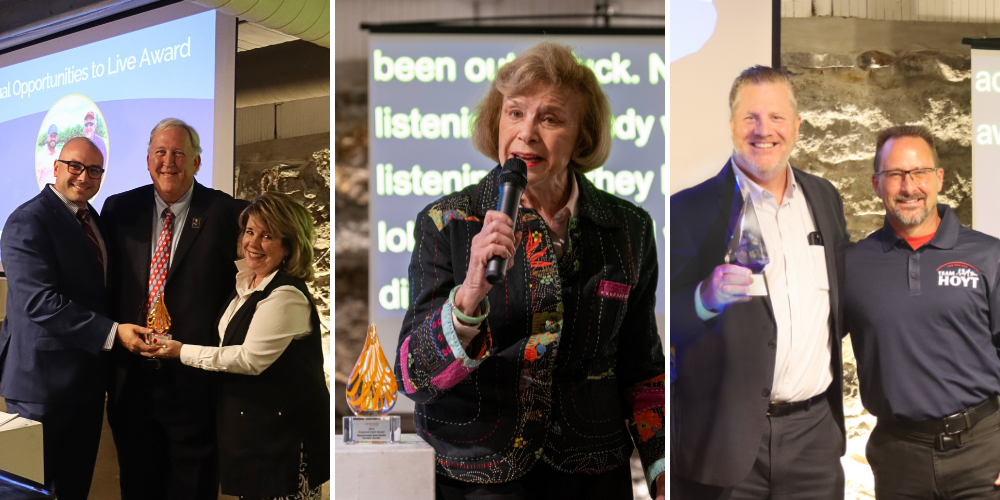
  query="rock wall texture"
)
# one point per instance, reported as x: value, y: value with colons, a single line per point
x: 299, y: 167
x: 853, y: 78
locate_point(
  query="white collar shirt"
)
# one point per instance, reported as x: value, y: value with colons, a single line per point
x: 798, y: 288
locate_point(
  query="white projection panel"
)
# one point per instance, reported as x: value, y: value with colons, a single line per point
x: 986, y: 140
x: 710, y: 43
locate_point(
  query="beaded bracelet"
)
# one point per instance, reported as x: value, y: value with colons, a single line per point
x: 485, y: 304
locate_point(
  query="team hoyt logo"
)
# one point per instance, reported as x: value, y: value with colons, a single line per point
x: 958, y: 274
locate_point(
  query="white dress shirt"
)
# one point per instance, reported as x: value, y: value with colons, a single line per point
x: 798, y: 287
x: 279, y: 318
x: 180, y: 210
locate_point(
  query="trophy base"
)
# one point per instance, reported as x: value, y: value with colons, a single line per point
x: 372, y: 430
x: 758, y: 288
x: 156, y: 338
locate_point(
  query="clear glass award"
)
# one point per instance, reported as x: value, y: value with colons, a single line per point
x: 158, y: 320
x: 371, y: 394
x: 747, y: 249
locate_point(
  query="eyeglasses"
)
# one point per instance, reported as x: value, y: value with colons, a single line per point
x: 77, y: 168
x: 895, y: 177
x: 89, y: 124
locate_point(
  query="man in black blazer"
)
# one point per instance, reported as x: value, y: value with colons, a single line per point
x: 756, y: 406
x: 162, y: 414
x: 55, y: 338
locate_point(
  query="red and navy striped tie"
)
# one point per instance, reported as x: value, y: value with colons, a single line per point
x: 161, y: 259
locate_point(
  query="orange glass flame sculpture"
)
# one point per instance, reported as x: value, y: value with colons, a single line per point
x: 158, y: 321
x: 371, y: 390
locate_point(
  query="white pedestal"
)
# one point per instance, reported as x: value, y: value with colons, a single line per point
x: 21, y: 449
x: 385, y: 471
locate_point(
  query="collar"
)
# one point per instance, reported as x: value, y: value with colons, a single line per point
x: 945, y: 238
x: 178, y: 207
x: 73, y: 207
x: 573, y: 204
x: 585, y: 200
x: 751, y: 188
x: 243, y: 275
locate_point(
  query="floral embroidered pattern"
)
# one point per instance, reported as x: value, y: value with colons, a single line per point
x: 534, y: 240
x: 441, y: 217
x: 648, y: 422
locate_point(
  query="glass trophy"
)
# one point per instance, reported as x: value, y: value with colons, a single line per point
x: 747, y: 249
x: 158, y: 320
x: 371, y: 393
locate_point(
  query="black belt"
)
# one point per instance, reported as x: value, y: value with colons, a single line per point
x: 950, y: 432
x: 952, y: 424
x: 782, y: 409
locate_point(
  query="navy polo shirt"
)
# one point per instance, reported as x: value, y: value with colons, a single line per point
x: 924, y: 323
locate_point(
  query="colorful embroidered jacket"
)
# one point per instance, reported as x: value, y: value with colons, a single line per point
x: 568, y: 366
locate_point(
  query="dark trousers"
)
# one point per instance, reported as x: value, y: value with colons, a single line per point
x: 798, y: 458
x: 165, y: 437
x: 905, y: 468
x: 542, y: 481
x: 71, y: 434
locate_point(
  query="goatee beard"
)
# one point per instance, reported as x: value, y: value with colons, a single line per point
x: 915, y: 220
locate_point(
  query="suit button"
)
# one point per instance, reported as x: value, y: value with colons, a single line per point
x: 772, y: 344
x: 766, y: 392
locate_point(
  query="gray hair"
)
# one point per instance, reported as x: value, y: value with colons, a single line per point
x: 175, y: 122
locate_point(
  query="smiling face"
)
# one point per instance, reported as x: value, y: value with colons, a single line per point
x: 78, y: 188
x: 765, y: 127
x: 908, y: 203
x: 53, y: 138
x: 89, y: 126
x: 263, y: 251
x: 541, y: 128
x: 172, y: 163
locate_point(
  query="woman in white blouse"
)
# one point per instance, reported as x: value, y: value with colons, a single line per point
x: 274, y: 405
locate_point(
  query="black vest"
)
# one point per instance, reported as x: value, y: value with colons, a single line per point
x: 264, y: 419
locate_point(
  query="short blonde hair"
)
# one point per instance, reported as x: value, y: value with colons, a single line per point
x: 287, y: 219
x: 554, y: 65
x: 760, y: 75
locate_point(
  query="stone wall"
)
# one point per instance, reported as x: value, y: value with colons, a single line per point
x: 855, y: 77
x: 299, y: 167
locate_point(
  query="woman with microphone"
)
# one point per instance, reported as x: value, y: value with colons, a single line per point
x: 542, y: 384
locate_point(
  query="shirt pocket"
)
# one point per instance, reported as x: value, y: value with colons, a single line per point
x: 817, y: 259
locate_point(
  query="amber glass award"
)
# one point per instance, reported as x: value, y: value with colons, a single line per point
x: 158, y: 321
x: 371, y: 394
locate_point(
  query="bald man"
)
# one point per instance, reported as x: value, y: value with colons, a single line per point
x: 55, y: 339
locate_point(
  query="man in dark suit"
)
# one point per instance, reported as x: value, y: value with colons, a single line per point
x: 53, y: 359
x: 178, y: 238
x: 757, y: 409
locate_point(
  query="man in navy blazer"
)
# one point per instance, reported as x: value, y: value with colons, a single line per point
x: 54, y: 342
x: 162, y: 415
x: 756, y: 407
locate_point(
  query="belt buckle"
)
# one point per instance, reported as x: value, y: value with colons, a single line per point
x: 945, y: 441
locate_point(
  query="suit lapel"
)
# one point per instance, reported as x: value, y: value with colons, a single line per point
x: 139, y: 240
x: 826, y: 224
x: 730, y: 203
x: 191, y: 232
x: 61, y: 212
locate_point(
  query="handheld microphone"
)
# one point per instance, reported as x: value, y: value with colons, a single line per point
x: 513, y: 180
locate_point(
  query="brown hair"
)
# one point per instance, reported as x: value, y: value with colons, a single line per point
x: 758, y: 75
x: 554, y: 65
x: 903, y: 131
x: 288, y: 220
